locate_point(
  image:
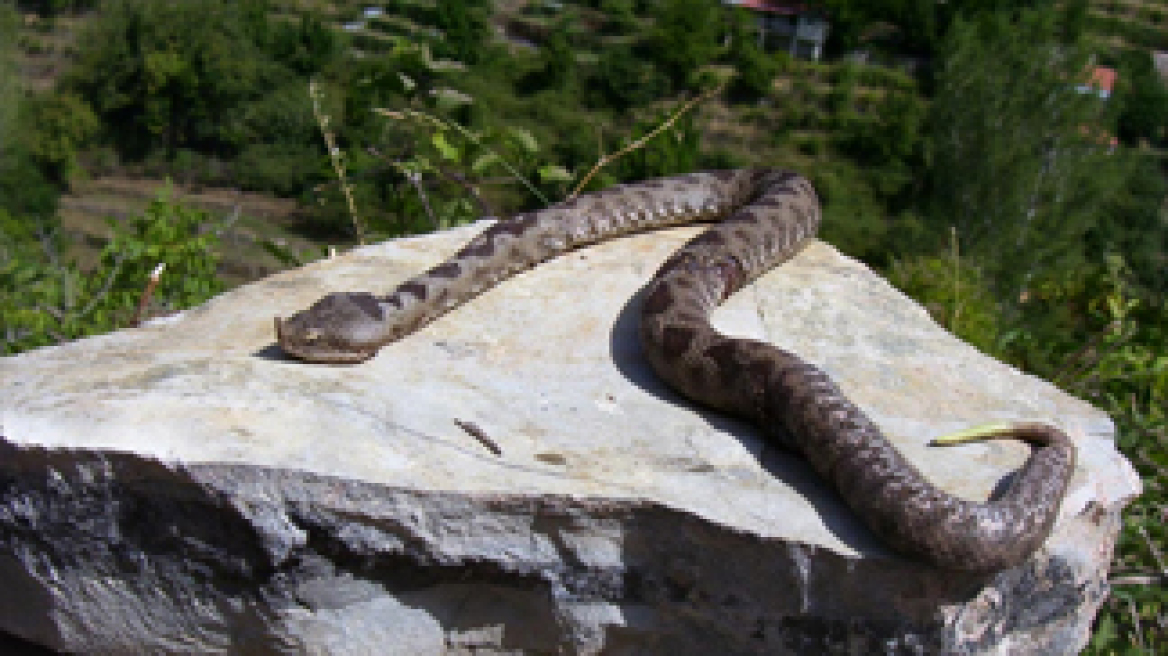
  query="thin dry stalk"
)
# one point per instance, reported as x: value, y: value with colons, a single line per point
x: 608, y: 159
x: 1152, y: 548
x: 955, y: 248
x: 337, y: 157
x: 415, y: 180
x: 434, y: 120
x: 1135, y: 615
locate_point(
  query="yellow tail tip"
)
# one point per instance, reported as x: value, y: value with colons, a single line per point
x: 975, y: 434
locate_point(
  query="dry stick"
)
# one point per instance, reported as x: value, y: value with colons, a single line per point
x: 46, y: 238
x: 149, y: 291
x: 415, y: 179
x: 1135, y: 615
x: 484, y: 207
x: 119, y: 260
x: 60, y: 315
x: 608, y: 159
x: 1139, y: 579
x: 1152, y: 547
x: 480, y: 435
x: 236, y: 212
x: 953, y: 244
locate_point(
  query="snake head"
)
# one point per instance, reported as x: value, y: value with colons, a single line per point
x: 341, y: 328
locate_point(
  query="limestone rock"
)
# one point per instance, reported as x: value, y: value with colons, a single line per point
x: 183, y: 488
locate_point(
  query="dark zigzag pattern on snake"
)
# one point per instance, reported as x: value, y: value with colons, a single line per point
x: 766, y: 218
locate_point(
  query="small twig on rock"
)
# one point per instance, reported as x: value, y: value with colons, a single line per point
x: 479, y: 435
x: 146, y: 294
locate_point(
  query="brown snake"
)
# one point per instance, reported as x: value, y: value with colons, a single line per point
x: 770, y: 215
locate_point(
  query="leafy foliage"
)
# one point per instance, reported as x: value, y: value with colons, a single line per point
x: 1018, y: 171
x: 465, y: 26
x: 9, y: 82
x: 62, y: 124
x: 1145, y: 101
x: 685, y: 38
x: 921, y: 25
x: 756, y: 69
x: 623, y: 80
x: 44, y: 299
x: 188, y: 74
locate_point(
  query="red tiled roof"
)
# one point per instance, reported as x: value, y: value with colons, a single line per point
x: 1102, y: 78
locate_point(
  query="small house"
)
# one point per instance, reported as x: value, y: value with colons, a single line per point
x: 1100, y: 80
x: 789, y: 26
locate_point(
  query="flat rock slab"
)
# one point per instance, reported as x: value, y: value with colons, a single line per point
x: 183, y: 487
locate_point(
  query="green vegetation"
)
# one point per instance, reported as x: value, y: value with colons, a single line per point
x: 955, y: 156
x: 1018, y: 172
x: 46, y: 300
x: 9, y: 82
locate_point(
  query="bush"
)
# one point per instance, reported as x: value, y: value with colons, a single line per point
x: 622, y: 80
x: 284, y: 169
x: 44, y: 300
x: 954, y: 292
x: 60, y: 124
x: 756, y: 76
x: 1145, y: 102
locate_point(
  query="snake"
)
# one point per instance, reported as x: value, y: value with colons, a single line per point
x: 761, y: 218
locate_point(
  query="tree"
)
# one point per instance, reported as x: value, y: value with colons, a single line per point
x: 687, y: 37
x: 466, y: 28
x: 1020, y: 160
x: 559, y: 61
x: 181, y: 75
x: 61, y: 124
x: 9, y: 81
x: 921, y: 24
x: 1133, y: 225
x: 24, y: 191
x: 756, y: 69
x: 624, y: 80
x: 1144, y: 98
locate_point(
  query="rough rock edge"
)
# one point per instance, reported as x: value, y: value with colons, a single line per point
x: 99, y: 549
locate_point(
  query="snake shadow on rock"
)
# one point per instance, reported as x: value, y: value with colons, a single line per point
x: 789, y: 467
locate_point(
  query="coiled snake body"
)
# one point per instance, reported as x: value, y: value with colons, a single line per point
x: 769, y: 215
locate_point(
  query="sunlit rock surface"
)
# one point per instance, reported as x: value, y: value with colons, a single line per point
x: 183, y: 488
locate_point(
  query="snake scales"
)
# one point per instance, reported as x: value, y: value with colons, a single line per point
x: 769, y: 216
